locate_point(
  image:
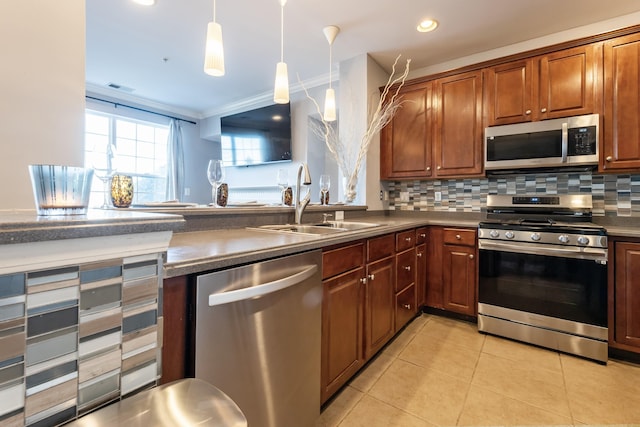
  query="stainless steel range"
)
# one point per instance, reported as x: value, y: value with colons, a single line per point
x: 543, y: 273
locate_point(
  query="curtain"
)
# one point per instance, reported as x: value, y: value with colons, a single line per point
x: 175, y: 162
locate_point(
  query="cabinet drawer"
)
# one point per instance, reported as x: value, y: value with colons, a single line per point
x: 405, y: 240
x: 343, y: 259
x: 380, y: 247
x: 459, y: 236
x: 421, y: 235
x: 405, y: 269
x: 405, y: 306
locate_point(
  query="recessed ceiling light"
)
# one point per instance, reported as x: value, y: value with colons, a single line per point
x: 427, y: 25
x: 145, y: 2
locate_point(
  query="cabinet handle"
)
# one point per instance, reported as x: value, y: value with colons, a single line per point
x: 544, y: 110
x: 470, y: 256
x: 419, y: 254
x: 439, y: 167
x: 527, y: 112
x: 363, y: 280
x: 407, y: 267
x: 428, y: 168
x: 423, y: 235
x: 609, y: 158
x: 372, y: 277
x: 407, y: 306
x: 458, y: 237
x: 408, y: 239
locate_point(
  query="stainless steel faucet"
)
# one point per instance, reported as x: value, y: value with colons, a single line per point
x: 301, y: 204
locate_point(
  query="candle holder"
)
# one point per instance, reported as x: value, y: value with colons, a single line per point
x: 121, y: 191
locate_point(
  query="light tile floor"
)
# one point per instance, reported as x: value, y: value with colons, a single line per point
x: 443, y: 372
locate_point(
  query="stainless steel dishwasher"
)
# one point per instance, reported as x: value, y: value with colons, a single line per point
x: 258, y: 338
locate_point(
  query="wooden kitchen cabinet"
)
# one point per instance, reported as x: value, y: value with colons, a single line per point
x: 176, y: 323
x: 379, y: 324
x: 458, y: 133
x: 421, y: 266
x: 624, y: 297
x: 405, y: 278
x: 342, y: 316
x: 559, y: 84
x: 406, y: 140
x: 452, y: 270
x: 621, y: 147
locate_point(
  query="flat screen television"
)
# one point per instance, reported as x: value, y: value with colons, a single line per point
x: 257, y: 136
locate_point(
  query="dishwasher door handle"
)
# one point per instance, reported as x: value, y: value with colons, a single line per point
x: 262, y: 289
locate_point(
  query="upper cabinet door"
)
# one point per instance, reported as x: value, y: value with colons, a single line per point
x: 405, y: 150
x: 567, y: 84
x: 458, y: 133
x: 621, y: 148
x: 509, y: 93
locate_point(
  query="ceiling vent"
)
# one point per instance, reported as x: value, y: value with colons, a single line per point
x: 120, y: 87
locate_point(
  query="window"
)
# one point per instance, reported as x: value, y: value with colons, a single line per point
x: 141, y: 149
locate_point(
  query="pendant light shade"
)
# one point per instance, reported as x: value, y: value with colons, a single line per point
x: 329, y: 115
x: 330, y: 105
x: 281, y: 89
x: 214, y: 51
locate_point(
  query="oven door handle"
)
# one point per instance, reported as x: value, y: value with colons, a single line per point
x: 596, y: 254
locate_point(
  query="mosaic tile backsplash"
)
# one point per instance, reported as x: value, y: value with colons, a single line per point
x: 612, y: 194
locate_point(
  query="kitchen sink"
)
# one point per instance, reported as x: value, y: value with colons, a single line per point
x: 329, y: 227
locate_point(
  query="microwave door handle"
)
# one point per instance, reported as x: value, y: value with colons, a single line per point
x: 565, y: 141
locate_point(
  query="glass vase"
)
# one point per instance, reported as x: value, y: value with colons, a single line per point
x: 121, y: 191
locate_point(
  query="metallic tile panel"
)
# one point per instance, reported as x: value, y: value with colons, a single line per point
x: 134, y: 342
x: 12, y: 285
x: 99, y: 274
x: 612, y: 194
x: 48, y: 375
x: 93, y: 367
x: 52, y: 345
x: 102, y: 298
x: 56, y: 415
x: 12, y: 311
x: 139, y: 321
x: 140, y: 269
x: 33, y: 289
x: 7, y: 325
x: 35, y: 278
x: 51, y: 397
x: 54, y: 298
x: 55, y: 320
x: 103, y: 389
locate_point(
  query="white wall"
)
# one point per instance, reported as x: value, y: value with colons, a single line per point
x: 41, y: 91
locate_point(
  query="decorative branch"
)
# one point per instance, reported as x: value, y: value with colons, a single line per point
x: 378, y: 118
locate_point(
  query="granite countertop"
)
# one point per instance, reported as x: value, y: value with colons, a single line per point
x: 199, y: 251
x: 25, y: 226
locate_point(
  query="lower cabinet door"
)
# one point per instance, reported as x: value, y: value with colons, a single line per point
x: 379, y: 306
x: 405, y: 306
x: 342, y: 324
x: 459, y: 279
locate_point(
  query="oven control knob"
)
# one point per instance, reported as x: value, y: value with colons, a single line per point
x: 535, y: 236
x: 494, y: 233
x: 582, y: 240
x: 563, y: 238
x: 509, y: 235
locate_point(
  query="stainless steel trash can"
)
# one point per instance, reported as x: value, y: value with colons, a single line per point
x: 186, y: 402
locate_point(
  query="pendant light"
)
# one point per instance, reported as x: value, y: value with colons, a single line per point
x: 214, y: 52
x: 281, y: 90
x: 330, y: 33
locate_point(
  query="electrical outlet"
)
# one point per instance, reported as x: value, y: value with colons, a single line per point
x: 404, y: 196
x: 438, y: 196
x: 381, y: 194
x: 187, y: 191
x: 339, y: 215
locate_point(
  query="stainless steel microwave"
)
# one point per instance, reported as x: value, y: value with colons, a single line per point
x: 571, y: 141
